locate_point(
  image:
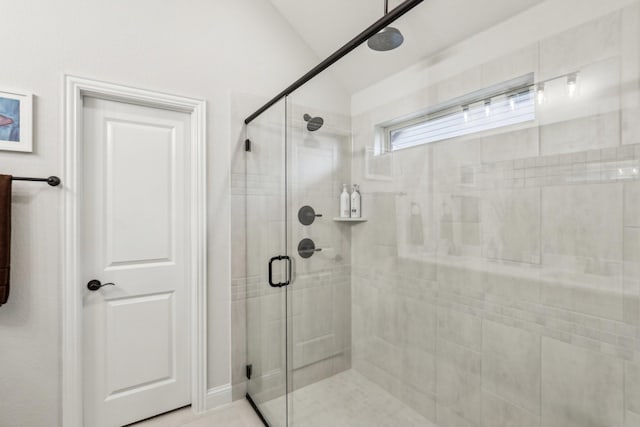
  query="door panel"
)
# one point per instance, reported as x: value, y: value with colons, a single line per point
x: 128, y: 367
x: 134, y: 228
x: 139, y: 228
x: 265, y: 219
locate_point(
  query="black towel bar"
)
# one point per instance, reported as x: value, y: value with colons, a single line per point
x: 52, y: 180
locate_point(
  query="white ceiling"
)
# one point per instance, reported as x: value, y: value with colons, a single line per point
x: 434, y: 25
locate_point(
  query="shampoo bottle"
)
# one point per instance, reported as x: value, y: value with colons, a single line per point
x: 355, y: 202
x: 345, y: 206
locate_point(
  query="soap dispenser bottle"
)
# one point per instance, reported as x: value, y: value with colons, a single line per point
x: 355, y: 202
x: 345, y: 205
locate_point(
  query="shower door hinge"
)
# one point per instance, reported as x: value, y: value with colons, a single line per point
x: 247, y: 145
x: 249, y: 369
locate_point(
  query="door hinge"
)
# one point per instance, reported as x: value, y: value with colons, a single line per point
x: 247, y: 145
x: 249, y: 370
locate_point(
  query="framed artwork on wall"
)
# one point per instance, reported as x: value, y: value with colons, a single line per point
x: 16, y: 121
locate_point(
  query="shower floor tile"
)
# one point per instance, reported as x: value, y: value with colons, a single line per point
x: 347, y: 399
x: 236, y: 414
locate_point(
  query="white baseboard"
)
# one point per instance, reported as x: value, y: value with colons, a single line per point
x: 218, y: 396
x: 239, y: 390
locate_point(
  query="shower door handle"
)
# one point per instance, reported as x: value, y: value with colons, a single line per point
x: 279, y: 258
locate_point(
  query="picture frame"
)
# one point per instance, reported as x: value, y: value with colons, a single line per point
x: 16, y: 121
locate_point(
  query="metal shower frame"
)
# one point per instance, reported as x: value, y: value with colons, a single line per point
x: 373, y: 29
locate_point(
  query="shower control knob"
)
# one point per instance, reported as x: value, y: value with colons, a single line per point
x: 306, y: 215
x: 94, y: 285
x: 307, y: 247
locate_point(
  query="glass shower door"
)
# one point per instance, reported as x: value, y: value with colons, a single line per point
x: 319, y: 322
x: 267, y: 265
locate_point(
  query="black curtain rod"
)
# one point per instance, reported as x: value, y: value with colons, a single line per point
x: 354, y: 43
x: 53, y: 181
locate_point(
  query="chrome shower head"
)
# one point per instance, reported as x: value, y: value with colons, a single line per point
x: 313, y: 123
x: 388, y: 38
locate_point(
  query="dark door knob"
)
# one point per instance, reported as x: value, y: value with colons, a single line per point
x: 94, y: 285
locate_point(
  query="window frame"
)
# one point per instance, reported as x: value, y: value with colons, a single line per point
x: 517, y: 86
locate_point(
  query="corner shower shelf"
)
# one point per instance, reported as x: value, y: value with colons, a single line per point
x: 338, y: 219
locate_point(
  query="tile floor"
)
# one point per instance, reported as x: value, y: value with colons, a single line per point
x: 236, y: 414
x: 347, y: 399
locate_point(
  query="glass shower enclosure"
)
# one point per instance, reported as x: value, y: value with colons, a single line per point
x: 265, y: 217
x: 494, y: 276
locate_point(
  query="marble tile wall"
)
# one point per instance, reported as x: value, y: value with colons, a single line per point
x: 497, y: 281
x: 320, y: 300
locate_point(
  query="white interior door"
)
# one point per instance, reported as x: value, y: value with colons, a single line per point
x: 134, y: 226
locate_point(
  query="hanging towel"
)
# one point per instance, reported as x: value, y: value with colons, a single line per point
x: 5, y: 236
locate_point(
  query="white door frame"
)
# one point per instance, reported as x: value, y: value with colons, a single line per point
x: 75, y: 89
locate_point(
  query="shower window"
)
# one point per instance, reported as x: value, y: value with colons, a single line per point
x: 501, y: 105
